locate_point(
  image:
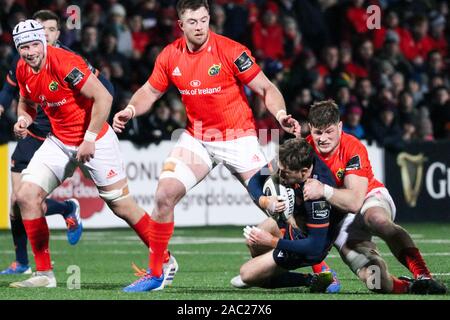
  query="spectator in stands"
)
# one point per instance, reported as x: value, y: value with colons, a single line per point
x: 391, y: 52
x: 385, y: 130
x: 267, y: 35
x: 88, y: 45
x: 118, y: 63
x: 440, y: 113
x: 292, y: 41
x: 352, y: 121
x: 437, y: 33
x: 140, y: 38
x: 417, y: 47
x: 117, y: 15
x: 218, y: 19
x: 159, y: 125
x: 266, y: 125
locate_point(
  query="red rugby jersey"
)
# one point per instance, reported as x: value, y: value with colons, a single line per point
x: 56, y: 87
x: 350, y: 157
x: 211, y: 83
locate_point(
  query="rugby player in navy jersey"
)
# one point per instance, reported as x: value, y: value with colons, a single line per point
x: 25, y: 149
x: 304, y: 239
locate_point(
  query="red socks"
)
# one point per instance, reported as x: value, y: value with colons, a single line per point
x: 38, y: 235
x: 412, y: 259
x: 400, y: 286
x: 142, y: 228
x: 318, y: 268
x: 160, y: 234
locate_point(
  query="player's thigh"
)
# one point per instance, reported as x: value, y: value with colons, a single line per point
x: 187, y: 164
x: 378, y: 207
x: 49, y: 166
x: 260, y: 268
x: 242, y: 156
x: 107, y: 167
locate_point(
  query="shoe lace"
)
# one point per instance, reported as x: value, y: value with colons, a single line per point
x: 138, y: 272
x: 71, y: 222
x: 14, y: 265
x: 141, y: 279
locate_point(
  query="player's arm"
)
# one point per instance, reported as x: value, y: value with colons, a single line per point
x: 349, y: 198
x: 313, y: 245
x: 93, y: 89
x: 26, y: 112
x: 140, y: 103
x: 271, y: 204
x: 274, y: 101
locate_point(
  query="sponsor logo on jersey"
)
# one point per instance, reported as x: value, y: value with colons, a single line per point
x: 340, y: 173
x: 353, y: 164
x: 321, y: 210
x: 243, y: 62
x: 53, y: 86
x: 45, y: 103
x: 74, y: 77
x: 214, y: 69
x: 195, y: 83
x: 176, y: 72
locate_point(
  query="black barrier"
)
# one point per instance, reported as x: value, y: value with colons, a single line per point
x: 418, y: 179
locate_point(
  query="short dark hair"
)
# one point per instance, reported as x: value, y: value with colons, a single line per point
x: 296, y: 154
x: 324, y: 114
x: 45, y: 15
x: 183, y: 5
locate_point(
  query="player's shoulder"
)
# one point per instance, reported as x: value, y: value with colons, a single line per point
x: 227, y: 45
x: 351, y: 143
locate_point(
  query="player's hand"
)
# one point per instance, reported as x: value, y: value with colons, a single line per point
x: 257, y: 236
x: 85, y: 151
x: 20, y: 128
x: 273, y: 204
x: 313, y: 190
x: 120, y: 120
x: 2, y: 109
x: 289, y: 124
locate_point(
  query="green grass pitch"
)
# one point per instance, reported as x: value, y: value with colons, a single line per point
x: 208, y: 257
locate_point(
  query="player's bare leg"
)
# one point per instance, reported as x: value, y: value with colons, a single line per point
x: 124, y: 206
x: 363, y: 259
x: 399, y: 241
x: 182, y: 170
x: 30, y: 198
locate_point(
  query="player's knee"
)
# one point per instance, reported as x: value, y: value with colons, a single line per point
x: 166, y: 197
x: 27, y: 198
x: 379, y: 223
x: 247, y: 275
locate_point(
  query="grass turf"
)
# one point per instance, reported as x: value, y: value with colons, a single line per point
x: 208, y: 257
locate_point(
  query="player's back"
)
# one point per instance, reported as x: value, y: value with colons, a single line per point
x: 210, y: 82
x: 318, y: 213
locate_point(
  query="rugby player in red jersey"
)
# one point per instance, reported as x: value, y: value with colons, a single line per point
x: 359, y: 192
x: 77, y: 105
x: 210, y: 72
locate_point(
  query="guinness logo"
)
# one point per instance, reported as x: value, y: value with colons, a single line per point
x: 411, y: 169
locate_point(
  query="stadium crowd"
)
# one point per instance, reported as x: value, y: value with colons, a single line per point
x: 391, y: 83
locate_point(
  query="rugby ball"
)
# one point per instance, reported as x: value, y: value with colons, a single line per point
x: 273, y: 188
